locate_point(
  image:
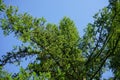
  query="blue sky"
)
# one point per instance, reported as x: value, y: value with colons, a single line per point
x: 80, y: 11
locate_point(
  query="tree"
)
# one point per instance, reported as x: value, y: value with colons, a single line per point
x: 56, y: 47
x: 101, y: 42
x: 61, y: 53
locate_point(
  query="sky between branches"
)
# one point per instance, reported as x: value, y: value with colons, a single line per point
x: 80, y: 11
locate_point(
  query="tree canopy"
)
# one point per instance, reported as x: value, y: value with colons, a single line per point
x: 60, y: 51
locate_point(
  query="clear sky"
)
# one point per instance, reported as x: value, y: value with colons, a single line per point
x: 80, y: 11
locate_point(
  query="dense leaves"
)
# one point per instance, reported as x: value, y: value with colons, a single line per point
x: 101, y: 41
x: 60, y: 52
x: 56, y: 47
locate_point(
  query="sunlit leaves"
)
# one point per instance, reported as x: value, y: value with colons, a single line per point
x: 56, y: 46
x: 60, y: 53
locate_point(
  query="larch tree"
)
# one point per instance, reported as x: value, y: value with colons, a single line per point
x: 61, y: 54
x: 56, y: 47
x: 101, y: 42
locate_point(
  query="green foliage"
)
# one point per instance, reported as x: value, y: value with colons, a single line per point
x: 24, y: 75
x: 100, y: 43
x: 60, y: 52
x: 56, y: 47
x: 4, y: 75
x: 2, y: 6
